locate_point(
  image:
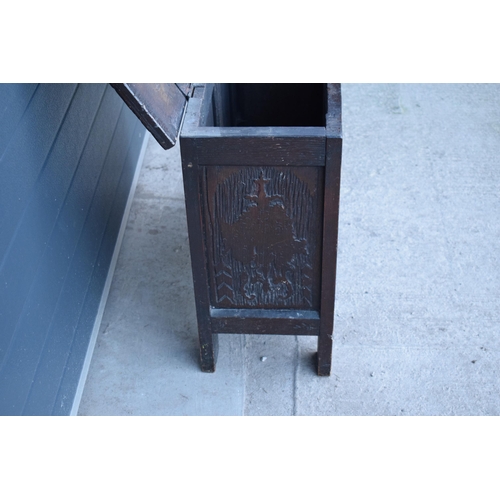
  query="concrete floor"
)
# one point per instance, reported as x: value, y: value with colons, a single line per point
x: 417, y: 319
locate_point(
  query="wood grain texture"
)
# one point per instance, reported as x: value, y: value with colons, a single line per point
x: 264, y: 228
x: 194, y: 187
x: 263, y: 214
x: 266, y: 321
x: 159, y: 106
x: 263, y: 149
x: 334, y: 110
x: 269, y: 326
x: 330, y: 229
x: 207, y: 109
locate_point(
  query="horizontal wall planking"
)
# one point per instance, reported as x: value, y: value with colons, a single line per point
x: 81, y: 338
x: 66, y: 168
x: 26, y: 152
x: 72, y: 308
x: 55, y: 262
x: 31, y: 238
x: 15, y: 99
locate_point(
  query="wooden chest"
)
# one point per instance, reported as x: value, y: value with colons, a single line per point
x: 261, y: 166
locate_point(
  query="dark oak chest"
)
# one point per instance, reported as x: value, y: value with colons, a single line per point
x: 261, y: 166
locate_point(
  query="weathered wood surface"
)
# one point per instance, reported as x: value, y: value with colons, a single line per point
x: 263, y: 215
x: 271, y: 326
x: 261, y: 165
x: 330, y: 227
x: 334, y: 111
x: 193, y: 188
x: 265, y: 321
x: 159, y: 106
x: 262, y: 149
x: 263, y: 228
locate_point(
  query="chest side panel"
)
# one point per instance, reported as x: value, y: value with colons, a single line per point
x: 264, y: 231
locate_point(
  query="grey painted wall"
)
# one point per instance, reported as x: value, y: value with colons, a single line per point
x: 68, y: 155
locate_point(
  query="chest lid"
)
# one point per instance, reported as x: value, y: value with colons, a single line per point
x: 159, y: 106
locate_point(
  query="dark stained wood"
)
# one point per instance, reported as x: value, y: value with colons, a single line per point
x: 264, y: 236
x: 330, y: 232
x: 334, y: 110
x: 193, y: 119
x: 263, y: 212
x: 193, y: 187
x: 265, y: 321
x: 330, y: 228
x: 295, y: 314
x: 262, y: 149
x: 222, y: 105
x: 261, y: 166
x: 207, y: 106
x: 159, y: 106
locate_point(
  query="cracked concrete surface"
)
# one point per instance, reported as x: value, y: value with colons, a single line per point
x: 417, y: 319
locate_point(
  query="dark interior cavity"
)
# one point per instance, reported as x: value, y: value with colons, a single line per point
x: 269, y: 105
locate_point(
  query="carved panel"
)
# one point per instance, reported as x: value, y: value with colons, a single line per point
x: 265, y: 231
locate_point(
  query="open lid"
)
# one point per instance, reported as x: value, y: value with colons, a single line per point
x: 159, y: 106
